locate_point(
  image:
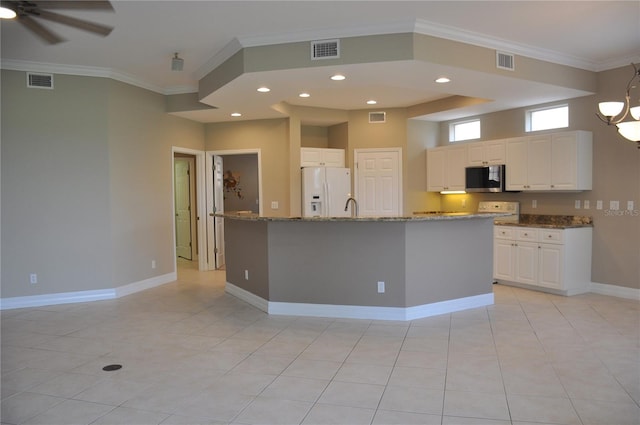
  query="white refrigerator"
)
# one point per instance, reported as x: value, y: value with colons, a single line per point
x: 325, y: 191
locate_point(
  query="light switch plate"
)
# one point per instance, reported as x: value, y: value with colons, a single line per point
x: 534, y: 204
x: 630, y: 205
x: 586, y: 204
x: 577, y: 204
x: 599, y: 204
x: 274, y: 205
x: 614, y: 205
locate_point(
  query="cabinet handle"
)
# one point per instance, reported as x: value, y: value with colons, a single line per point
x: 549, y: 236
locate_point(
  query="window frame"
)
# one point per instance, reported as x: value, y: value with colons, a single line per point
x: 452, y: 130
x: 528, y: 118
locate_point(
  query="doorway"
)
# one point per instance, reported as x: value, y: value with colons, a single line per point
x: 378, y: 181
x: 185, y: 206
x: 234, y: 184
x: 188, y: 206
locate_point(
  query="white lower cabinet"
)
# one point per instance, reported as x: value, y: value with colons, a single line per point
x: 557, y: 260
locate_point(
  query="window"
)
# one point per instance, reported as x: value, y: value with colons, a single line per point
x: 547, y: 118
x: 466, y: 130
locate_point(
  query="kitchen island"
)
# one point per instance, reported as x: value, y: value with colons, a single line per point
x: 388, y: 268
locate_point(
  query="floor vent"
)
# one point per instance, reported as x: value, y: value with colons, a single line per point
x: 39, y: 81
x: 376, y: 117
x: 326, y: 49
x: 505, y: 61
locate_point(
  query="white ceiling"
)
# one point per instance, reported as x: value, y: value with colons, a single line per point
x: 592, y: 35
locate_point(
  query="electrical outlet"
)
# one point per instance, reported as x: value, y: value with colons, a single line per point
x: 464, y: 203
x: 246, y: 275
x: 599, y: 204
x: 153, y: 264
x: 274, y: 205
x: 380, y: 287
x: 614, y: 205
x: 630, y: 205
x: 534, y: 204
x: 586, y: 204
x: 577, y: 204
x: 33, y: 278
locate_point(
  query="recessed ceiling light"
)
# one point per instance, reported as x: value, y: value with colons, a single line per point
x: 236, y: 114
x: 371, y: 102
x: 304, y: 95
x: 338, y: 77
x: 443, y: 80
x: 6, y: 13
x: 264, y: 89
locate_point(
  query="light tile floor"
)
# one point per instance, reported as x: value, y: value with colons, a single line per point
x: 192, y: 354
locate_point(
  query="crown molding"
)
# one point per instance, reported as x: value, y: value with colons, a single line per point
x: 85, y: 71
x: 482, y: 40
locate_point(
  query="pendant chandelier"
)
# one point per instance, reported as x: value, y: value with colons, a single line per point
x: 613, y: 113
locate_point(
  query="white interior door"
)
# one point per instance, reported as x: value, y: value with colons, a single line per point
x: 182, y: 192
x: 378, y: 181
x: 218, y: 222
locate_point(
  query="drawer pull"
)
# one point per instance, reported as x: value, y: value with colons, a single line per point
x: 549, y: 236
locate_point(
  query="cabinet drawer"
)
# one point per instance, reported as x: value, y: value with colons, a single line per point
x: 502, y: 232
x: 552, y: 236
x: 527, y: 234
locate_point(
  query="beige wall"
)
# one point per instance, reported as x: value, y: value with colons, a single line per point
x: 55, y: 186
x: 141, y: 135
x: 272, y: 138
x: 86, y: 184
x: 313, y: 136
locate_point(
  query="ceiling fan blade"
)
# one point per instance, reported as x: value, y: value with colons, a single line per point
x: 75, y: 22
x: 84, y: 5
x: 37, y: 28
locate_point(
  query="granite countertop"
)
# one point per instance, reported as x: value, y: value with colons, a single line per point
x: 435, y: 216
x: 549, y: 221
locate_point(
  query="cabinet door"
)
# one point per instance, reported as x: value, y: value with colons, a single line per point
x: 455, y: 165
x: 564, y: 166
x: 435, y: 170
x: 333, y: 157
x: 475, y: 154
x: 503, y: 260
x: 516, y: 164
x: 310, y: 157
x: 539, y: 163
x: 550, y: 270
x: 526, y: 269
x: 494, y: 152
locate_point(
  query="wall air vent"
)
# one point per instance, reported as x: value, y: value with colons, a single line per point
x: 377, y: 117
x: 325, y: 49
x: 505, y: 61
x: 39, y: 81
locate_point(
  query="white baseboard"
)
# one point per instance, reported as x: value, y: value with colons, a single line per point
x: 360, y: 312
x: 615, y: 291
x: 246, y: 296
x: 85, y: 296
x: 134, y: 287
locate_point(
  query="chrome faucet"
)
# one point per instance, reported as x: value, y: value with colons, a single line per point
x: 355, y: 206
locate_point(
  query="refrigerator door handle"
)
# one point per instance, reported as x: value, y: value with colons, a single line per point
x: 327, y: 200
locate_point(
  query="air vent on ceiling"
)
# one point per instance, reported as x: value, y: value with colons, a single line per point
x: 325, y: 49
x: 375, y: 117
x: 39, y: 81
x: 505, y: 61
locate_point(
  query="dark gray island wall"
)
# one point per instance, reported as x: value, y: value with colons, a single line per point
x: 331, y: 267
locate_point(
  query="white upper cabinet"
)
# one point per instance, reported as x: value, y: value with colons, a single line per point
x: 556, y: 161
x: 486, y: 153
x: 321, y: 157
x: 445, y: 168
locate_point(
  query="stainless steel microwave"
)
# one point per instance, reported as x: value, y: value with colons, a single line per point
x: 489, y: 178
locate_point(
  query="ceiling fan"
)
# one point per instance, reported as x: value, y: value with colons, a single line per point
x: 28, y: 13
